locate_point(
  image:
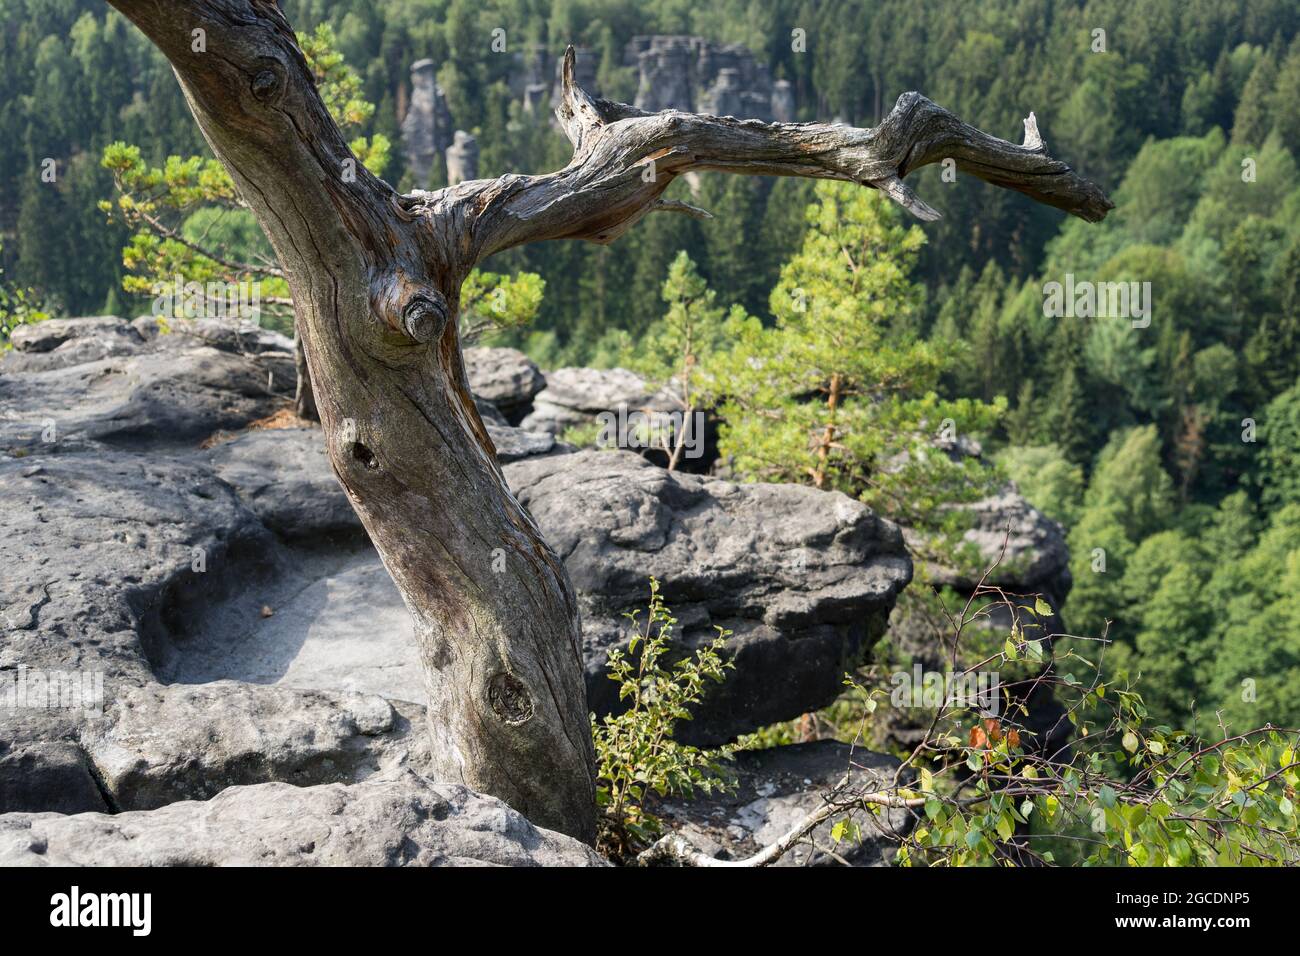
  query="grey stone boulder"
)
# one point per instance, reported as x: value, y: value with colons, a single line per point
x: 804, y: 579
x: 229, y: 335
x: 776, y: 789
x: 147, y: 401
x: 59, y: 343
x: 631, y: 415
x: 162, y: 743
x: 51, y: 775
x: 284, y: 477
x: 505, y: 377
x: 490, y: 414
x: 1025, y: 554
x: 1028, y: 548
x: 399, y: 819
x: 516, y: 444
x: 575, y: 396
x: 49, y: 335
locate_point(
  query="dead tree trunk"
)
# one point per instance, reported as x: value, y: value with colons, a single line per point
x: 376, y: 280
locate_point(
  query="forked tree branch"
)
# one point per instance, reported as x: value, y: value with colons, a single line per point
x: 624, y: 159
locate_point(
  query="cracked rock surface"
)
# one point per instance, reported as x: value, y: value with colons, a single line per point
x: 400, y: 819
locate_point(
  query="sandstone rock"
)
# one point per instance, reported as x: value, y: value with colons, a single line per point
x: 427, y: 125
x: 776, y: 789
x: 697, y: 75
x: 284, y: 477
x: 595, y: 390
x: 113, y: 561
x: 462, y: 158
x: 99, y: 552
x: 228, y: 335
x: 338, y: 623
x: 50, y: 776
x: 161, y: 744
x: 1029, y: 559
x: 630, y: 414
x: 48, y: 335
x: 58, y: 343
x: 400, y: 819
x: 804, y: 579
x: 150, y: 400
x: 516, y: 444
x: 152, y: 572
x: 505, y: 377
x: 61, y: 343
x: 575, y: 396
x: 783, y: 103
x: 1036, y: 558
x: 490, y: 414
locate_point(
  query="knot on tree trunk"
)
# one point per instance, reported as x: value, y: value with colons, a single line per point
x: 510, y: 699
x: 425, y: 317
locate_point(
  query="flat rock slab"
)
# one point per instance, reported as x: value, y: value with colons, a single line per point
x: 150, y: 401
x: 284, y: 477
x: 336, y: 622
x: 575, y: 396
x: 160, y: 744
x: 400, y: 819
x: 61, y: 343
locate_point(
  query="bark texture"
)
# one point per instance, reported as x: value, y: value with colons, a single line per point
x: 376, y: 278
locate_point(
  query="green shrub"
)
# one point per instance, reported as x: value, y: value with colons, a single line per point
x: 637, y: 758
x: 18, y: 306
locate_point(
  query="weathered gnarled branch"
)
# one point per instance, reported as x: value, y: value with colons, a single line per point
x: 376, y: 281
x: 625, y: 158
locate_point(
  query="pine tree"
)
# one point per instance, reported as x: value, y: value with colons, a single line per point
x: 1255, y: 115
x: 829, y: 397
x: 730, y: 237
x: 1286, y: 94
x: 679, y: 352
x: 1069, y: 421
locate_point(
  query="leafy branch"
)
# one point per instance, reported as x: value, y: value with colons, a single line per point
x: 981, y: 788
x: 637, y: 758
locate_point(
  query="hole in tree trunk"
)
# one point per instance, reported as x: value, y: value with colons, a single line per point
x: 364, y: 455
x: 509, y: 699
